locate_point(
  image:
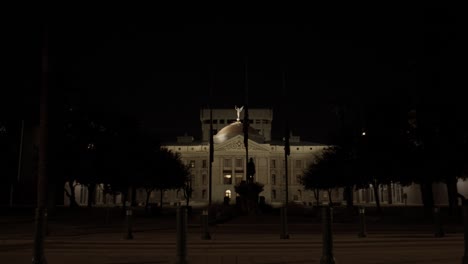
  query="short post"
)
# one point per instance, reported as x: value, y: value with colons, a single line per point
x: 181, y: 254
x: 204, y: 222
x: 362, y: 222
x: 38, y: 250
x: 438, y: 230
x: 327, y: 247
x: 128, y: 218
x: 284, y: 223
x: 465, y: 226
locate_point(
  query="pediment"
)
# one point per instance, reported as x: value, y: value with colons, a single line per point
x: 237, y: 144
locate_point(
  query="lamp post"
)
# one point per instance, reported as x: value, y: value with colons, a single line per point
x: 38, y: 249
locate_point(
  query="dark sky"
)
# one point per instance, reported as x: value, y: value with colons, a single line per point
x: 156, y: 66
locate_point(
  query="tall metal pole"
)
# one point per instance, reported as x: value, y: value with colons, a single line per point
x: 287, y: 149
x: 210, y: 176
x: 284, y: 210
x: 38, y: 250
x: 246, y: 120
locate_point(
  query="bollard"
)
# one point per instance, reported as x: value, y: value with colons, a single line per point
x: 181, y: 254
x: 128, y: 217
x: 204, y: 222
x: 327, y: 247
x: 38, y: 250
x: 362, y: 221
x: 284, y: 223
x: 438, y: 230
x: 465, y: 226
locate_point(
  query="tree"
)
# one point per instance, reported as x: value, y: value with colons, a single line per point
x: 324, y: 173
x: 167, y: 172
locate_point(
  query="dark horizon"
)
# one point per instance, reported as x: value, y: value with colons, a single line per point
x: 157, y: 69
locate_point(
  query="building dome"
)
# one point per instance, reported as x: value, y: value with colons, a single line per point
x: 234, y: 129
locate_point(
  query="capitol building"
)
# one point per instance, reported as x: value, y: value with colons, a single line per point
x: 229, y: 166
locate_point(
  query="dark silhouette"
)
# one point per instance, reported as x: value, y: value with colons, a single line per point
x: 250, y: 170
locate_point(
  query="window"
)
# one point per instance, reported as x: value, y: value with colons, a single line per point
x: 298, y: 179
x: 273, y: 164
x: 231, y: 121
x: 273, y: 179
x: 273, y: 194
x: 227, y: 193
x: 203, y: 163
x: 227, y: 179
x: 257, y: 121
x: 192, y: 164
x: 295, y: 198
x: 227, y: 163
x: 206, y: 122
x: 239, y: 163
x: 299, y: 193
x: 298, y: 164
x: 215, y: 121
x: 204, y: 180
x: 203, y: 194
x: 239, y: 177
x: 266, y: 121
x: 221, y: 121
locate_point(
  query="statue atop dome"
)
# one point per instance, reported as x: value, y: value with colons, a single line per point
x: 239, y: 110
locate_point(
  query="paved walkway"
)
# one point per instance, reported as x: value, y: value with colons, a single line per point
x: 248, y: 239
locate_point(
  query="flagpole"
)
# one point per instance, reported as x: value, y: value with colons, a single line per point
x: 38, y: 248
x: 210, y: 178
x: 287, y: 149
x: 246, y: 120
x: 284, y: 209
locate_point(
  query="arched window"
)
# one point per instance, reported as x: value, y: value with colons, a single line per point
x: 227, y: 193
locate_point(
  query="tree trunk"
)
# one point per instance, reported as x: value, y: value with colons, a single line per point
x: 427, y: 198
x: 317, y: 196
x: 348, y: 195
x: 377, y: 197
x: 452, y: 194
x: 389, y: 193
x: 71, y: 195
x: 162, y: 194
x: 134, y: 192
x: 124, y: 202
x: 91, y: 192
x: 148, y: 194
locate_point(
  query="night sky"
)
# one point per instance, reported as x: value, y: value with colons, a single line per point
x: 156, y: 66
